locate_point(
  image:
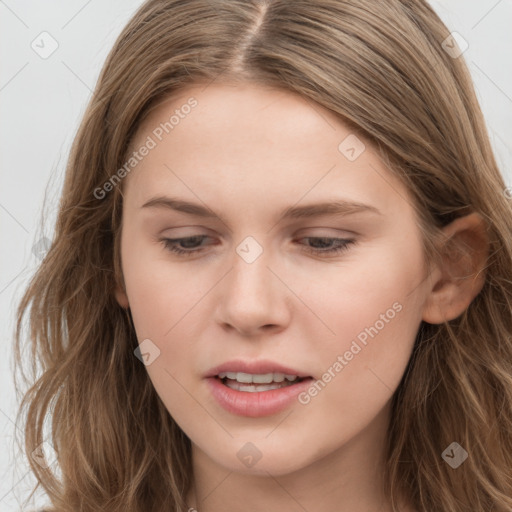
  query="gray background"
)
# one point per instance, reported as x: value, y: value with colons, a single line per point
x: 42, y: 101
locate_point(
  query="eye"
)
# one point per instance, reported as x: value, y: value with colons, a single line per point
x: 171, y: 244
x: 327, y: 245
x: 321, y: 245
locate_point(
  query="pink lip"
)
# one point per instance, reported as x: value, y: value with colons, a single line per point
x: 260, y: 367
x: 263, y: 403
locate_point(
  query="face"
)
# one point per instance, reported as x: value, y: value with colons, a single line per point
x: 258, y: 279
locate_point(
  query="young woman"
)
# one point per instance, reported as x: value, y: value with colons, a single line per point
x: 281, y: 277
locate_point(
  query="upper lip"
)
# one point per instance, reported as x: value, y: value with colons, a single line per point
x: 254, y: 367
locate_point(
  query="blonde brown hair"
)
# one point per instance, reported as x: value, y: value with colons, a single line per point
x: 380, y: 66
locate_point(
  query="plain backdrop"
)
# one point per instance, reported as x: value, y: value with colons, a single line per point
x: 43, y: 99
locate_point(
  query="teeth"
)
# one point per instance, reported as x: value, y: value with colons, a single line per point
x: 249, y: 378
x: 255, y: 388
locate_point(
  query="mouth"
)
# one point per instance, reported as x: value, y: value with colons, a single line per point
x: 258, y: 383
x: 256, y: 388
x: 256, y: 395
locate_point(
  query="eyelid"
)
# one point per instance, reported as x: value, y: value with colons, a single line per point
x: 210, y: 232
x: 172, y: 245
x: 306, y: 232
x: 330, y: 232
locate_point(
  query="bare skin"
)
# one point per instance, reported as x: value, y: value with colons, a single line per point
x: 248, y: 153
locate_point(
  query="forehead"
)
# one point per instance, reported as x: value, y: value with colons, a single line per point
x: 257, y: 143
x: 267, y: 112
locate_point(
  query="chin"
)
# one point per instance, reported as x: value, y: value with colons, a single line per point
x: 249, y: 460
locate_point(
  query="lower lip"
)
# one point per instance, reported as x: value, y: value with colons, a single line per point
x: 254, y: 405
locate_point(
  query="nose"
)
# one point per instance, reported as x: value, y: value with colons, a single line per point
x: 252, y: 299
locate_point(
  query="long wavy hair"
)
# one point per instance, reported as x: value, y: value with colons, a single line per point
x: 383, y: 69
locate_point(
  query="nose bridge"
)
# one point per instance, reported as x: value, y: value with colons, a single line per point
x: 250, y: 273
x: 251, y: 295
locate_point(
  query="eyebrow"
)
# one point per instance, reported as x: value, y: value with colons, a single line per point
x: 338, y: 207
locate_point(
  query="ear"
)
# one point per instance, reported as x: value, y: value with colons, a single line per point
x: 120, y: 294
x: 461, y: 275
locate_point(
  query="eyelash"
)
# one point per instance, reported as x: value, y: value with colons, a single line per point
x: 171, y: 245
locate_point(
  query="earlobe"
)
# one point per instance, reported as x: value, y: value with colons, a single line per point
x: 460, y: 276
x: 121, y: 297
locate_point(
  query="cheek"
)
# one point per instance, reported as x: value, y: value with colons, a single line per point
x: 162, y: 308
x: 373, y: 309
x: 158, y: 292
x: 376, y: 319
x: 166, y: 305
x: 377, y: 287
